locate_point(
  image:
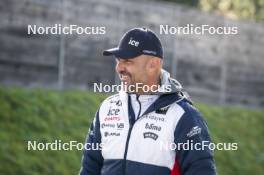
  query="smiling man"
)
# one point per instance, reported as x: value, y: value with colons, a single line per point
x: 137, y: 126
x: 139, y: 75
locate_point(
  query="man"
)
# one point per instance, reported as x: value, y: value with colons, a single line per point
x: 137, y: 126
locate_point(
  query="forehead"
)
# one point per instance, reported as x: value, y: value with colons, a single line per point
x: 124, y: 60
x: 140, y: 58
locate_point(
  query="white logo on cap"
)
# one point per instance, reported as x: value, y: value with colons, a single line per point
x: 149, y: 52
x: 133, y: 42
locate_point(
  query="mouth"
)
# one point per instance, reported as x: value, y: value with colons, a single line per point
x: 124, y: 77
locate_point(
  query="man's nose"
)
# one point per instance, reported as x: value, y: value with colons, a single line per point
x: 120, y: 67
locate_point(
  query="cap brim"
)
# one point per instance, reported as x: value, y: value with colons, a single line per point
x: 121, y: 53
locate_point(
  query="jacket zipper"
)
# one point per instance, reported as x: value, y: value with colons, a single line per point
x: 139, y: 108
x: 129, y: 134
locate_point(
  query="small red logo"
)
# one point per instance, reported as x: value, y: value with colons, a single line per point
x: 112, y: 118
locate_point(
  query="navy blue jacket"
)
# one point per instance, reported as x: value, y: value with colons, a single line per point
x: 152, y: 144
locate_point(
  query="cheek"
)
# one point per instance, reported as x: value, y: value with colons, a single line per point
x: 140, y: 75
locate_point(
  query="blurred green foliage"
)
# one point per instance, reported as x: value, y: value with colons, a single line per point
x: 44, y: 116
x: 49, y: 115
x: 235, y: 9
x: 237, y: 125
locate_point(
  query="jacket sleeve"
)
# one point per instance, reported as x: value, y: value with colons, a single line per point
x: 192, y: 129
x: 92, y: 159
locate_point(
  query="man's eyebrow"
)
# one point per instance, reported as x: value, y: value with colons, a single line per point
x: 124, y: 60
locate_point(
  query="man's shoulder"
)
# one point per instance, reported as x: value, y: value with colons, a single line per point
x: 110, y: 106
x: 188, y: 108
x: 191, y: 114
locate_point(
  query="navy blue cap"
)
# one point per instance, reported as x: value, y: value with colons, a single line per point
x: 136, y: 42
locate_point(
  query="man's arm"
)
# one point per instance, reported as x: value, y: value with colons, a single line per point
x: 92, y: 159
x: 193, y: 129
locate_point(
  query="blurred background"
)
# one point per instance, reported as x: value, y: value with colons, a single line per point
x: 46, y: 81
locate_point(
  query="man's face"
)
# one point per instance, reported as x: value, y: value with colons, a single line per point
x: 132, y: 71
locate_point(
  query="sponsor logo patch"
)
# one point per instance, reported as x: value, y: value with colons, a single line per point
x: 149, y: 52
x: 152, y: 127
x: 120, y: 125
x: 107, y: 134
x: 194, y: 131
x: 112, y: 118
x: 91, y: 132
x: 156, y: 118
x: 162, y: 110
x: 133, y: 42
x: 113, y: 111
x: 107, y: 125
x: 150, y: 135
x: 117, y: 102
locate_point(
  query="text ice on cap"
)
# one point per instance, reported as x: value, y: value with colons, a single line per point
x: 133, y: 42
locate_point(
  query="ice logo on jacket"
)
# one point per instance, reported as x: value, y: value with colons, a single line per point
x: 113, y: 111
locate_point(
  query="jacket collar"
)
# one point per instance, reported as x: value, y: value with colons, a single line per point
x: 166, y: 98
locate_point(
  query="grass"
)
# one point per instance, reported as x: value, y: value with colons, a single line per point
x: 49, y: 115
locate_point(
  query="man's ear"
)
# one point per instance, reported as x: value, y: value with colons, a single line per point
x: 155, y: 63
x: 151, y: 65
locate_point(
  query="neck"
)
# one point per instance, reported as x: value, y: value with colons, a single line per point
x: 151, y: 86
